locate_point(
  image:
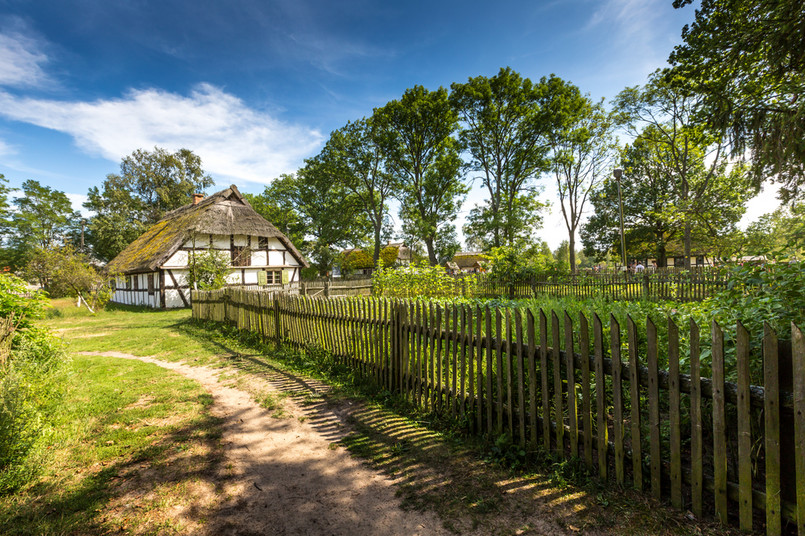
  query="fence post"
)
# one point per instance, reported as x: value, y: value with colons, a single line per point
x: 645, y: 286
x: 303, y: 289
x: 277, y: 328
x: 326, y: 289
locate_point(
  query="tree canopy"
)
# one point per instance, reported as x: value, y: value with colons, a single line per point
x: 150, y: 184
x: 424, y: 156
x: 746, y: 59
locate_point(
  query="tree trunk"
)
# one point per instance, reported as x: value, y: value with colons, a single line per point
x: 571, y: 246
x: 431, y: 251
x: 376, y: 254
x: 687, y: 245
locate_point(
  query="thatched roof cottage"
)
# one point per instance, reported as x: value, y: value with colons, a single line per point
x: 153, y: 269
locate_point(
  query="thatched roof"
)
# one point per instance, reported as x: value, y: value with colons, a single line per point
x: 222, y: 213
x: 467, y: 259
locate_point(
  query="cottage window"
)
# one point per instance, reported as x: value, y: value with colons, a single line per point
x: 262, y: 242
x: 273, y: 277
x: 136, y: 279
x: 150, y: 284
x: 241, y: 256
x: 128, y: 282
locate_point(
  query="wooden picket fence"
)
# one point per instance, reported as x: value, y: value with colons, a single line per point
x: 693, y: 285
x: 577, y: 388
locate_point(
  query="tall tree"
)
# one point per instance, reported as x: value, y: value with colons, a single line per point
x: 319, y: 206
x: 746, y: 58
x: 43, y: 219
x: 693, y: 156
x: 276, y: 204
x: 656, y: 213
x: 506, y: 123
x: 423, y: 154
x: 354, y: 151
x: 582, y: 150
x: 150, y: 184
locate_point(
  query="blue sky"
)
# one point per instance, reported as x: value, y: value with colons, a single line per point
x: 254, y: 87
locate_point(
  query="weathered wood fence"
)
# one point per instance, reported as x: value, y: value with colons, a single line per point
x: 665, y: 285
x: 578, y: 387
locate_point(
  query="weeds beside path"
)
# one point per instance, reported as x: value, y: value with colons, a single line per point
x: 272, y: 458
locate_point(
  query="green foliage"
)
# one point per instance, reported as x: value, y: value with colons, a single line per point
x: 208, y: 270
x: 417, y: 139
x: 512, y: 263
x: 17, y: 301
x: 43, y: 219
x: 419, y: 280
x: 355, y: 152
x: 507, y: 119
x: 276, y: 204
x: 150, y: 184
x: 31, y: 388
x: 69, y: 273
x: 746, y: 59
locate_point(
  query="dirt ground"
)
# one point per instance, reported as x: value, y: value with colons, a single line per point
x: 289, y: 476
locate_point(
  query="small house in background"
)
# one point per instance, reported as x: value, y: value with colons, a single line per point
x: 153, y: 270
x: 359, y: 261
x: 467, y: 262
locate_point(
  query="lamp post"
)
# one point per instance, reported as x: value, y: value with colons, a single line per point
x: 618, y: 173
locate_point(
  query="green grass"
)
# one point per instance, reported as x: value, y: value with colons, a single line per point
x: 123, y: 421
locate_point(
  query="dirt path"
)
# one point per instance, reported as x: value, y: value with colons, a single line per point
x: 289, y: 476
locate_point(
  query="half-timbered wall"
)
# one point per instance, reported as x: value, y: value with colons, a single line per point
x: 169, y: 287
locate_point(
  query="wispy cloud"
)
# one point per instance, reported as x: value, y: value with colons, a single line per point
x: 21, y: 58
x: 233, y: 140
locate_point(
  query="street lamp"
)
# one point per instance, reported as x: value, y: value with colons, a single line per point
x: 618, y: 173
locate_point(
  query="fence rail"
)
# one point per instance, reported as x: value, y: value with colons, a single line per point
x: 579, y: 388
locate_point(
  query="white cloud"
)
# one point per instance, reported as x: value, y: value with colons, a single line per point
x: 77, y: 201
x: 6, y: 149
x: 233, y: 140
x: 21, y: 60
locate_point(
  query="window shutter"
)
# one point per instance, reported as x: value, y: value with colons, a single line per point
x: 284, y: 277
x: 262, y: 280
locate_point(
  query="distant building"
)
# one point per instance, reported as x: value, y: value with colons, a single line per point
x: 359, y: 261
x: 153, y: 269
x: 468, y: 262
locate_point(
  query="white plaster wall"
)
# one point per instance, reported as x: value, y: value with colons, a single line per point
x: 179, y: 275
x: 251, y: 277
x: 275, y: 258
x: 259, y: 258
x: 274, y: 243
x: 220, y: 241
x: 289, y: 259
x: 240, y: 240
x: 177, y: 259
x: 233, y: 278
x: 172, y: 299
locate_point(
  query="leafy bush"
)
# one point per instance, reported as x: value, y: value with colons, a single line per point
x: 17, y: 301
x: 208, y: 270
x: 31, y: 379
x: 31, y: 388
x: 416, y: 280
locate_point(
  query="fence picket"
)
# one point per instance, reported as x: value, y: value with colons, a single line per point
x: 586, y: 417
x: 744, y: 430
x: 634, y: 406
x: 719, y: 425
x: 570, y: 369
x: 509, y: 373
x: 543, y: 365
x: 696, y: 443
x: 674, y: 416
x: 798, y: 362
x: 617, y: 396
x: 600, y: 395
x: 771, y: 411
x: 654, y: 409
x: 532, y: 377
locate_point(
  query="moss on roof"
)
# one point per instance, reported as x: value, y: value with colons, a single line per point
x: 223, y: 213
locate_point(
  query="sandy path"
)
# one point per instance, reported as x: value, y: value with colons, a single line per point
x: 289, y: 477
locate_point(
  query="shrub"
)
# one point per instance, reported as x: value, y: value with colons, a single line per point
x: 416, y: 280
x: 208, y: 270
